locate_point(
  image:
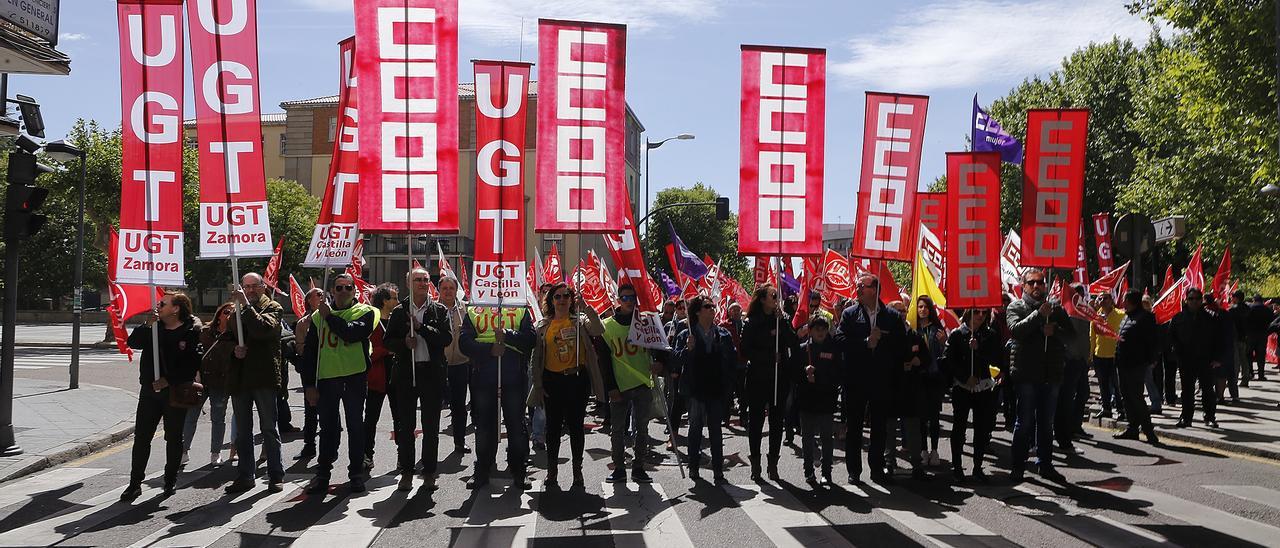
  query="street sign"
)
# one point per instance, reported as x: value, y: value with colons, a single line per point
x: 39, y: 17
x: 1134, y: 235
x: 1169, y: 228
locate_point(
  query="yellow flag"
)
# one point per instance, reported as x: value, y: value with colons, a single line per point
x: 922, y: 283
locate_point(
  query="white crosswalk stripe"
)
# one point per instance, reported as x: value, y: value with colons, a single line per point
x: 776, y: 512
x: 1252, y: 493
x: 492, y: 523
x: 53, y: 480
x: 211, y: 522
x: 357, y: 519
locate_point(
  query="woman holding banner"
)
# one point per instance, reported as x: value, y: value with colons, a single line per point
x: 560, y: 356
x: 767, y: 342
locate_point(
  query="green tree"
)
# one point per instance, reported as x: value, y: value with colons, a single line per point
x: 698, y: 229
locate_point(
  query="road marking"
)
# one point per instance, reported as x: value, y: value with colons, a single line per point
x: 78, y: 518
x: 357, y: 519
x: 485, y: 525
x: 49, y: 481
x: 1251, y: 493
x: 643, y: 508
x: 206, y: 524
x: 775, y: 511
x: 29, y: 367
x: 1199, y: 514
x: 1131, y: 529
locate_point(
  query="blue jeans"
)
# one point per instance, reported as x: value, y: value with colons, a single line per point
x: 243, y: 403
x: 1037, y: 403
x: 710, y: 414
x: 348, y: 394
x: 217, y: 421
x: 1108, y: 384
x: 484, y: 414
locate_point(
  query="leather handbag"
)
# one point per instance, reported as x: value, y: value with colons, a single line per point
x: 186, y: 395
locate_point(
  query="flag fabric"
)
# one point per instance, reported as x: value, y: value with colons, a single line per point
x: 445, y: 269
x: 889, y: 290
x: 1168, y: 280
x: 551, y: 272
x: 1221, y: 280
x: 790, y: 285
x: 1170, y: 302
x: 1109, y: 283
x: 838, y: 275
x: 971, y: 230
x: 669, y: 286
x: 1053, y: 186
x: 271, y: 276
x: 1080, y: 274
x: 923, y: 284
x: 988, y: 136
x: 763, y: 272
x: 357, y: 258
x: 1011, y: 262
x: 892, y: 139
x: 335, y: 233
x: 1102, y: 239
x: 1195, y: 271
x: 807, y: 285
x: 1077, y: 306
x: 297, y: 298
x: 686, y: 261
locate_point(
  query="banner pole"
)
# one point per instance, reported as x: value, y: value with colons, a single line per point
x: 235, y: 277
x: 413, y: 316
x: 155, y: 337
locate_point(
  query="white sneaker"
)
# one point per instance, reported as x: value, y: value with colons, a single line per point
x: 185, y: 457
x: 215, y: 459
x: 933, y: 458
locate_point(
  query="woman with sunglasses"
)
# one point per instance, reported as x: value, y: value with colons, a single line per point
x: 709, y: 364
x: 972, y: 351
x: 768, y: 342
x: 218, y: 339
x: 563, y: 362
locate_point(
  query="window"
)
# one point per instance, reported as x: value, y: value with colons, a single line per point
x: 333, y: 128
x: 282, y: 143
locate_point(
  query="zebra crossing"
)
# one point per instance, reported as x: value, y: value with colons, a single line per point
x: 45, y: 358
x: 664, y: 514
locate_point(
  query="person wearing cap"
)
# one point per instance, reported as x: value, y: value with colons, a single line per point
x: 628, y: 374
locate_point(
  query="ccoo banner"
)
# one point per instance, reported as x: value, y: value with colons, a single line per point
x: 151, y: 72
x: 233, y: 187
x: 581, y: 173
x: 334, y: 238
x: 1053, y: 186
x: 784, y: 101
x: 501, y: 114
x: 973, y: 230
x: 407, y: 66
x: 892, y: 136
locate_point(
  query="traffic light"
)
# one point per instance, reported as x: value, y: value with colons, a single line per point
x: 722, y: 209
x: 24, y: 198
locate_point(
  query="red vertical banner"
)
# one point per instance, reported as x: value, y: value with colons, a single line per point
x: 1080, y: 274
x: 624, y: 248
x: 151, y: 72
x: 224, y: 72
x: 501, y: 115
x: 334, y: 238
x: 783, y: 142
x: 1053, y: 187
x: 931, y: 211
x: 973, y: 230
x: 892, y: 136
x: 407, y: 66
x: 1102, y: 239
x: 581, y: 172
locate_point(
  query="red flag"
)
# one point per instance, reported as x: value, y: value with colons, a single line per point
x: 1077, y: 306
x: 501, y: 89
x: 462, y: 271
x: 233, y: 187
x: 972, y: 232
x: 271, y: 276
x: 1170, y: 302
x: 1109, y: 283
x: 127, y: 300
x: 811, y: 275
x: 624, y: 249
x: 1053, y: 186
x: 357, y: 258
x: 551, y: 271
x: 1195, y: 271
x: 889, y: 290
x: 335, y: 235
x: 839, y: 277
x: 150, y: 244
x: 763, y: 271
x: 689, y: 291
x: 1080, y: 274
x: 581, y: 160
x: 297, y: 297
x: 1102, y: 239
x: 783, y: 114
x: 409, y: 115
x: 587, y: 280
x: 892, y: 138
x: 414, y: 264
x: 1221, y: 280
x: 1168, y: 280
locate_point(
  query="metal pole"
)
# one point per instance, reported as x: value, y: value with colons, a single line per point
x: 647, y: 168
x: 8, y: 444
x: 77, y: 304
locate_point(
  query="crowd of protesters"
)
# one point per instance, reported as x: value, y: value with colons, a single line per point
x: 862, y: 372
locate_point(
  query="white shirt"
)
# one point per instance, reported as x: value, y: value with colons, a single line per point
x: 420, y: 353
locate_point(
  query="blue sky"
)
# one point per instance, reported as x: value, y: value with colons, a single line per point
x: 682, y: 64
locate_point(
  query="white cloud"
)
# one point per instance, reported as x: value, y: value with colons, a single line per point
x: 966, y: 43
x: 500, y: 21
x: 72, y: 37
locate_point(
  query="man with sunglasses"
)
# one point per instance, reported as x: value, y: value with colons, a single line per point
x: 418, y: 332
x: 336, y: 361
x: 1193, y: 333
x: 628, y: 380
x: 1037, y: 358
x: 254, y: 381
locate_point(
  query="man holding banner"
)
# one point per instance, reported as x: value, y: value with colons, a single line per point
x: 499, y: 342
x: 628, y: 380
x: 255, y: 381
x: 1036, y: 360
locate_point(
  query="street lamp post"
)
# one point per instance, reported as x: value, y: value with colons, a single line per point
x: 650, y: 145
x: 64, y: 152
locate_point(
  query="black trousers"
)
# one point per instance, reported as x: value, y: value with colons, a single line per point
x: 760, y: 405
x: 566, y: 405
x: 1133, y: 380
x: 153, y: 407
x: 858, y: 407
x: 372, y: 414
x: 1203, y: 374
x: 459, y: 381
x: 1067, y: 420
x: 1257, y: 357
x: 983, y: 406
x: 426, y: 393
x: 310, y: 424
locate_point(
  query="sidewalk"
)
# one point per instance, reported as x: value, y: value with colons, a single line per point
x: 1251, y: 427
x: 54, y: 424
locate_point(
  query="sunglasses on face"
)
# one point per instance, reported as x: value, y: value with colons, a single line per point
x: 708, y: 307
x: 343, y: 287
x: 560, y: 296
x: 253, y: 286
x: 627, y: 298
x: 1034, y: 282
x: 422, y: 280
x: 773, y: 296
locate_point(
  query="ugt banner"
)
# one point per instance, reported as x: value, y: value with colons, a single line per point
x: 581, y: 173
x: 334, y: 238
x: 780, y: 178
x: 407, y: 66
x: 151, y: 72
x: 973, y: 230
x: 1102, y: 239
x: 1053, y: 186
x: 892, y: 136
x: 499, y: 265
x: 233, y: 188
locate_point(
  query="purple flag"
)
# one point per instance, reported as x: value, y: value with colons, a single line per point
x: 686, y: 261
x: 668, y: 285
x: 988, y: 136
x: 790, y: 285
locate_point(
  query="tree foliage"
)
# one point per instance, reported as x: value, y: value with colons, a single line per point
x: 698, y: 229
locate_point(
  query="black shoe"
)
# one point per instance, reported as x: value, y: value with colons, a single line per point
x: 1244, y: 383
x: 1083, y: 435
x: 957, y: 473
x: 718, y: 478
x: 755, y: 472
x: 318, y: 486
x: 169, y: 490
x: 1211, y: 423
x: 694, y: 474
x: 521, y: 482
x: 577, y: 477
x: 920, y: 474
x: 553, y: 474
x: 1053, y: 475
x: 1151, y: 437
x: 289, y: 429
x: 1126, y: 435
x: 477, y: 482
x: 461, y: 448
x: 640, y: 476
x: 368, y: 463
x: 882, y: 478
x: 979, y: 476
x: 240, y: 486
x: 1016, y: 476
x: 1182, y: 423
x: 308, y: 452
x: 810, y: 479
x: 618, y: 475
x: 275, y: 485
x: 773, y: 472
x: 357, y: 485
x: 131, y: 492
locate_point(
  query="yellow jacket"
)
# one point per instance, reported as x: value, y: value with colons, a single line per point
x: 1102, y: 346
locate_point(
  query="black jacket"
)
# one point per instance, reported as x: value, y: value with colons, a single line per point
x: 1195, y: 338
x: 1139, y: 340
x: 910, y: 383
x: 820, y: 395
x: 963, y: 362
x: 1258, y: 320
x: 435, y: 329
x: 701, y: 361
x: 180, y: 353
x: 758, y: 346
x: 1031, y: 358
x: 869, y: 370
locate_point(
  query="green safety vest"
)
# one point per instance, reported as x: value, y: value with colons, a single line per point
x: 336, y: 357
x: 485, y: 322
x: 630, y: 362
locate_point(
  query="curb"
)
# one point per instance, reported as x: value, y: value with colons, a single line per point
x: 1177, y: 435
x: 123, y: 430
